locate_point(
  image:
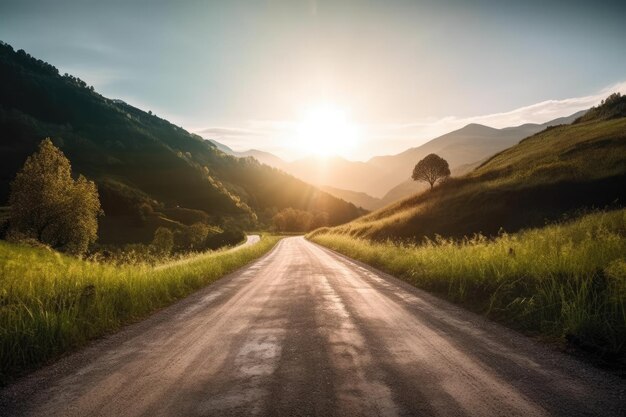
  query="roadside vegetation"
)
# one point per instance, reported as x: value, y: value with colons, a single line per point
x: 51, y: 303
x: 565, y: 281
x: 291, y: 220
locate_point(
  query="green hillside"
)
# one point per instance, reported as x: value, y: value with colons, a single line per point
x: 560, y: 170
x: 137, y: 158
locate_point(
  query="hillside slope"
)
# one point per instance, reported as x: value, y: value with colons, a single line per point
x: 464, y: 149
x: 559, y: 170
x: 138, y: 159
x: 363, y: 200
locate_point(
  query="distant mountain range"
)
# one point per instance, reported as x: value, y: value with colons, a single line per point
x: 385, y: 179
x: 261, y: 156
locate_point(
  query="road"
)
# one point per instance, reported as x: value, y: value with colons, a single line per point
x: 302, y: 332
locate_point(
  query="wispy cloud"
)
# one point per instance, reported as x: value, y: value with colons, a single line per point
x: 227, y: 132
x: 278, y: 136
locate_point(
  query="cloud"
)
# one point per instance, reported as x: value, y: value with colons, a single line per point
x: 279, y: 136
x: 226, y: 132
x: 406, y: 135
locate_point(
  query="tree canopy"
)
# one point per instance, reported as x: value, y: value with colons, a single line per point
x: 48, y: 205
x: 431, y: 169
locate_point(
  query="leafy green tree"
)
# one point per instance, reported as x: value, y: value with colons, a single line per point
x: 431, y: 169
x: 51, y: 207
x: 293, y: 220
x: 197, y: 234
x: 163, y: 241
x: 320, y: 219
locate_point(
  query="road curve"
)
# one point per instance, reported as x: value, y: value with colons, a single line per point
x: 302, y: 332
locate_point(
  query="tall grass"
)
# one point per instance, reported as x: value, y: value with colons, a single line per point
x: 565, y: 281
x: 51, y: 303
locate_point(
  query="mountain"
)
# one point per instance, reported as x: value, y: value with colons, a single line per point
x: 562, y: 169
x: 363, y: 200
x: 409, y: 187
x: 463, y: 149
x: 318, y: 171
x: 261, y: 156
x: 337, y: 172
x: 149, y: 172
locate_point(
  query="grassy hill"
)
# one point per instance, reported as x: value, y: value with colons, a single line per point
x: 137, y: 158
x: 464, y: 149
x: 559, y: 170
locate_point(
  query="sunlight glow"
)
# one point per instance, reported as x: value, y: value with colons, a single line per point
x: 326, y: 130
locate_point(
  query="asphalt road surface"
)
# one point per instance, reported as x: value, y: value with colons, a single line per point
x: 303, y: 332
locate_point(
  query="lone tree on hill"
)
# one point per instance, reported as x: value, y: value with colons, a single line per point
x: 51, y: 207
x: 431, y: 169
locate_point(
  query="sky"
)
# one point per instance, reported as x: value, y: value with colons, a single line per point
x: 247, y: 73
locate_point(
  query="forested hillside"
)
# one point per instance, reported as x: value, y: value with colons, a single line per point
x: 149, y: 172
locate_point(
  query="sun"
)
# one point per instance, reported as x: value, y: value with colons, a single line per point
x: 325, y: 130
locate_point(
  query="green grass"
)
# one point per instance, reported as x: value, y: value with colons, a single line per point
x: 565, y: 281
x: 51, y: 303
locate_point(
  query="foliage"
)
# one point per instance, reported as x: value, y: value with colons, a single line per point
x: 49, y: 206
x: 198, y: 233
x: 565, y: 281
x: 431, y: 169
x: 163, y: 241
x: 51, y: 303
x: 614, y: 106
x: 294, y: 220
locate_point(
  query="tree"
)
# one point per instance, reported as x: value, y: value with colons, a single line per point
x: 293, y: 220
x: 431, y: 169
x: 197, y: 234
x: 163, y: 240
x: 51, y: 207
x: 320, y: 219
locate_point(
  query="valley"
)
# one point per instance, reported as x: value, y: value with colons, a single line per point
x: 312, y: 208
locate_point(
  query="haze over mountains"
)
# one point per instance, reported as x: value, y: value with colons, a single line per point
x: 385, y: 179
